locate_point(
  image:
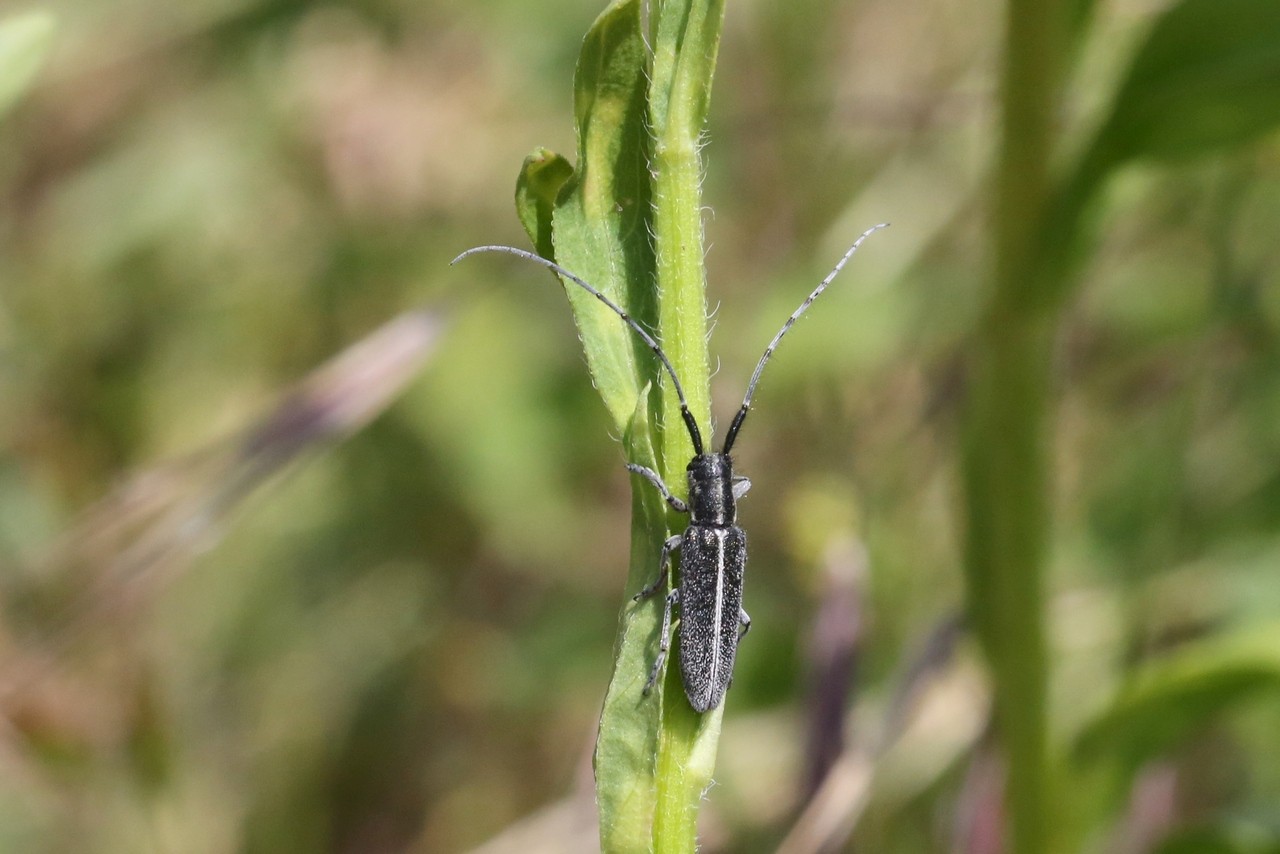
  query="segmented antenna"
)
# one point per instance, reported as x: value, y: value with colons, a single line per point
x: 773, y: 345
x: 689, y: 421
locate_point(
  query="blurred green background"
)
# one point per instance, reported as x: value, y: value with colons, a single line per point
x: 402, y: 644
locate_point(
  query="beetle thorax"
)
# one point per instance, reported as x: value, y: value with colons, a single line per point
x: 711, y: 499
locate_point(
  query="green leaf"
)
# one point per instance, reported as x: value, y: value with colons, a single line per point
x: 24, y: 41
x: 1171, y: 697
x: 1081, y: 14
x: 1226, y: 837
x: 686, y: 45
x: 627, y: 747
x: 600, y: 224
x: 541, y: 178
x: 1207, y: 77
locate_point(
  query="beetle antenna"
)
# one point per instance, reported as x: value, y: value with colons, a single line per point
x: 689, y: 421
x: 773, y: 345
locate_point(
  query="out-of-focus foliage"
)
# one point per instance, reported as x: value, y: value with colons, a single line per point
x: 1180, y: 692
x: 24, y: 39
x: 403, y: 644
x: 1203, y: 79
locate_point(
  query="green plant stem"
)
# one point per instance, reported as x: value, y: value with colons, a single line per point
x: 1006, y: 489
x: 686, y: 40
x: 686, y: 37
x: 677, y: 228
x: 1006, y: 460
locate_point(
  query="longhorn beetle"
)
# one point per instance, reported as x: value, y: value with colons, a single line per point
x: 713, y: 549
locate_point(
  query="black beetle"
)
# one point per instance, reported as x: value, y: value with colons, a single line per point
x: 713, y: 549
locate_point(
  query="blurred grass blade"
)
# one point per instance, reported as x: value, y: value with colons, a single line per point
x: 1207, y: 77
x: 1232, y: 835
x: 148, y: 529
x: 342, y: 396
x: 24, y: 42
x: 1167, y: 699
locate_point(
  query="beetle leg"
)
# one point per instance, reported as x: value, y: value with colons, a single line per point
x: 668, y: 547
x: 744, y: 626
x: 654, y: 478
x: 664, y: 640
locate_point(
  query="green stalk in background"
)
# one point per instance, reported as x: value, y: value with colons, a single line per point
x: 627, y: 218
x: 1206, y: 78
x: 1006, y: 462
